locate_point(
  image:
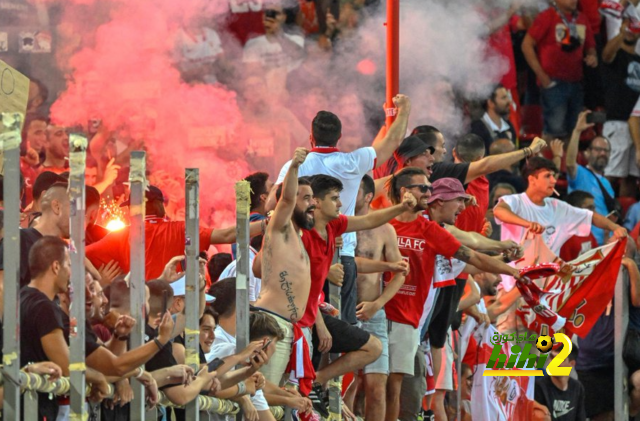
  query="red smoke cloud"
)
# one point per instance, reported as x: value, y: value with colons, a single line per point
x: 127, y: 78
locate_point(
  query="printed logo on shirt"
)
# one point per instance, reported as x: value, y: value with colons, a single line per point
x: 633, y: 76
x: 244, y: 6
x: 411, y: 243
x: 561, y: 408
x: 562, y: 32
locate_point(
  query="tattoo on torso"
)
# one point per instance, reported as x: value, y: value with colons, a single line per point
x: 285, y: 285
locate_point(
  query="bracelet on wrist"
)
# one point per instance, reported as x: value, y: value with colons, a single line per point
x: 140, y: 372
x: 158, y: 343
x: 123, y: 338
x: 242, y: 389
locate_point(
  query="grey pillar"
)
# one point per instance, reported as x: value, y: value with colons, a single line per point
x: 621, y: 320
x: 335, y: 385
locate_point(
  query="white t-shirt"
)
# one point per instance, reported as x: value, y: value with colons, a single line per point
x: 255, y: 284
x: 270, y: 54
x: 348, y: 168
x: 223, y: 346
x: 196, y: 50
x: 561, y: 220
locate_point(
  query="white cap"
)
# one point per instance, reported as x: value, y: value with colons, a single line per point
x: 179, y: 289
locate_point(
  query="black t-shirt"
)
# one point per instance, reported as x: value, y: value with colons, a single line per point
x: 567, y: 405
x: 449, y: 170
x: 39, y: 316
x: 479, y: 128
x: 622, y: 79
x: 90, y: 338
x: 180, y: 340
x: 28, y: 238
x: 164, y: 358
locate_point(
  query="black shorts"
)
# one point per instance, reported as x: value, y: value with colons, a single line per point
x: 344, y: 336
x: 598, y: 390
x: 444, y: 311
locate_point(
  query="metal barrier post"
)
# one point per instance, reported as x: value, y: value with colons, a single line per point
x: 621, y: 320
x: 192, y: 294
x: 137, y: 186
x: 77, y: 367
x: 10, y: 143
x: 335, y: 385
x: 243, y: 204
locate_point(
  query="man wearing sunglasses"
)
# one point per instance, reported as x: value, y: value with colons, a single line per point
x: 420, y: 241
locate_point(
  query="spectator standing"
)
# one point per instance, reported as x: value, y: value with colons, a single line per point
x: 590, y: 178
x: 56, y: 150
x: 577, y: 245
x: 563, y: 39
x: 325, y: 158
x: 621, y: 76
x: 494, y: 123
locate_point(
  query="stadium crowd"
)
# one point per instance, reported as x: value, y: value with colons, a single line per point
x: 427, y: 225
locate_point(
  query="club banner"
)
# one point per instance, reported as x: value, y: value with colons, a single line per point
x: 574, y: 298
x: 498, y: 398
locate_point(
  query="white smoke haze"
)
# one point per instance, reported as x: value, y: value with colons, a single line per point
x: 119, y: 61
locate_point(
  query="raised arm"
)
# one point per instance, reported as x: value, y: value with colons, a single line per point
x: 228, y: 235
x: 287, y: 203
x: 614, y: 45
x: 503, y: 161
x: 386, y: 146
x: 475, y: 241
x: 381, y: 217
x: 484, y: 262
x: 606, y: 224
x: 572, y: 148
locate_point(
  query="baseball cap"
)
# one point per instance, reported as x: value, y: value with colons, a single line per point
x: 152, y: 193
x: 447, y: 189
x: 180, y: 288
x: 45, y: 180
x: 410, y: 147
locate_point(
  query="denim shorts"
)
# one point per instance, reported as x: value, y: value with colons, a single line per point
x: 561, y: 105
x: 377, y: 326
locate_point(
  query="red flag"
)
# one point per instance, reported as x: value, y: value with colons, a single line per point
x: 579, y: 295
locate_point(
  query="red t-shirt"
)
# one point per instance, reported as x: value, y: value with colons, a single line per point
x: 577, y: 245
x: 548, y: 30
x: 320, y: 255
x: 472, y: 218
x: 419, y: 242
x: 163, y: 240
x: 244, y: 20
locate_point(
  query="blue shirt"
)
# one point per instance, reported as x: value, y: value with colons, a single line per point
x: 586, y: 181
x: 633, y: 217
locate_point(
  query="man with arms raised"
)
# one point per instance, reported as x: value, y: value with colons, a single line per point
x: 286, y: 278
x: 420, y: 241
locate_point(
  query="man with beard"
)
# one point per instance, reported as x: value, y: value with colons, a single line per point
x: 420, y: 241
x: 591, y: 178
x: 494, y: 124
x: 283, y: 265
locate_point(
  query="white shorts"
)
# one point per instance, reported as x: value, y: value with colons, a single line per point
x: 444, y: 379
x: 622, y: 160
x: 403, y: 345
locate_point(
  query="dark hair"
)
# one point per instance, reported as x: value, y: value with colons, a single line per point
x: 470, y: 147
x: 536, y: 164
x: 368, y: 185
x: 577, y: 197
x: 263, y: 324
x: 302, y: 181
x: 217, y: 264
x: 44, y: 181
x: 208, y: 311
x: 92, y: 196
x: 225, y: 292
x: 429, y: 138
x: 573, y: 355
x: 424, y: 129
x: 118, y: 292
x: 157, y: 288
x: 401, y: 179
x: 155, y: 208
x: 323, y: 184
x: 326, y: 128
x: 258, y: 182
x: 506, y: 186
x: 44, y: 91
x: 492, y: 97
x: 44, y: 252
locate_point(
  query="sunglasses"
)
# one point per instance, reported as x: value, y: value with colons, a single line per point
x: 423, y: 187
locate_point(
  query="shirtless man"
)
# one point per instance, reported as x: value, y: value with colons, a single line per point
x: 379, y: 249
x: 286, y: 278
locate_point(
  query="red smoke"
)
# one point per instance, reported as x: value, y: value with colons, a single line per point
x: 127, y: 78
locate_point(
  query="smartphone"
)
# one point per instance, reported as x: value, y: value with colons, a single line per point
x: 271, y: 13
x: 596, y: 117
x: 264, y: 347
x: 165, y: 302
x: 613, y: 216
x: 183, y: 265
x: 215, y: 364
